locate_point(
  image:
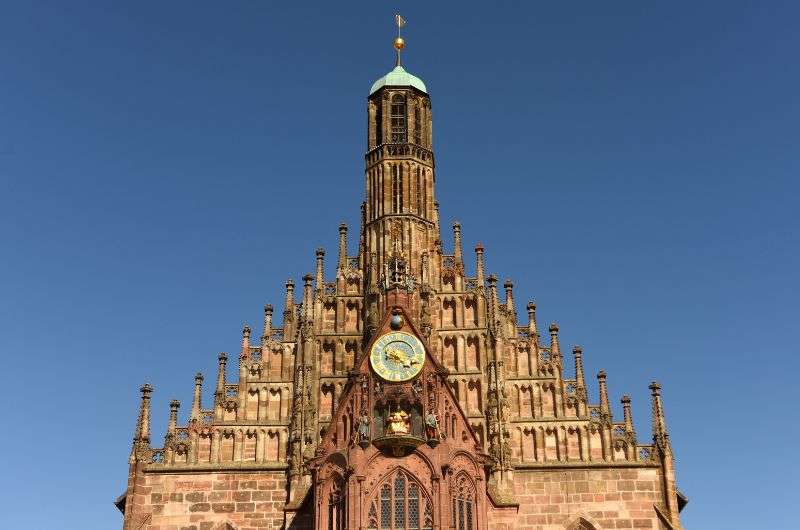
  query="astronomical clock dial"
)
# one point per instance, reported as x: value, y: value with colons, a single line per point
x: 397, y: 356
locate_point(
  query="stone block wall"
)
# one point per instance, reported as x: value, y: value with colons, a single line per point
x: 250, y: 501
x: 562, y: 499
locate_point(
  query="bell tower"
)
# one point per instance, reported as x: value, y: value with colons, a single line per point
x: 400, y: 219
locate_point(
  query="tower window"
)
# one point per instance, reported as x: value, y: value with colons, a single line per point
x: 397, y: 188
x: 378, y: 125
x: 417, y: 127
x: 399, y: 124
x: 419, y: 192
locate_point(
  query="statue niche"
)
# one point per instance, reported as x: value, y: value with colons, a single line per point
x: 398, y: 421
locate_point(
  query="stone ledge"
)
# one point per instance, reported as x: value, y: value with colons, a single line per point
x: 219, y: 467
x: 582, y: 465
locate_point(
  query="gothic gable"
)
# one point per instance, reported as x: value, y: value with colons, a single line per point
x: 397, y: 416
x: 398, y: 440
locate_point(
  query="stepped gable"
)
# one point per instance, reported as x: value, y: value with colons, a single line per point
x: 488, y: 433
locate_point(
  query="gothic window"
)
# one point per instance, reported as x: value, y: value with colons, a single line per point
x: 463, y: 505
x: 400, y: 505
x: 424, y: 193
x: 398, y: 116
x: 424, y: 127
x: 397, y: 188
x: 394, y: 189
x: 400, y: 188
x: 417, y: 127
x: 378, y: 124
x: 419, y: 191
x: 386, y: 506
x: 399, y: 501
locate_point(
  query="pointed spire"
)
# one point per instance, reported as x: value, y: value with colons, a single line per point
x: 601, y: 380
x: 174, y: 405
x: 267, y: 324
x: 626, y: 413
x: 492, y: 281
x: 223, y: 358
x: 399, y: 43
x: 198, y: 396
x: 660, y: 434
x: 508, y: 285
x: 555, y: 349
x: 457, y: 253
x: 289, y: 303
x: 320, y: 270
x: 288, y: 310
x: 245, y: 353
x: 479, y: 274
x: 532, y: 329
x: 308, y: 310
x: 143, y: 425
x: 663, y: 448
x: 141, y: 435
x: 342, y: 247
x: 577, y: 351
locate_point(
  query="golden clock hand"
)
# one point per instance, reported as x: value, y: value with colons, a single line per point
x: 396, y: 355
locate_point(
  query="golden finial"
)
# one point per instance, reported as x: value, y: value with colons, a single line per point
x: 399, y: 43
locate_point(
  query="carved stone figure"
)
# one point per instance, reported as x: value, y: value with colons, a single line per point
x: 363, y: 428
x: 431, y: 426
x: 398, y: 423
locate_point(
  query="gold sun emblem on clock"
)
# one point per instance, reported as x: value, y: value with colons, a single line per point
x: 397, y: 356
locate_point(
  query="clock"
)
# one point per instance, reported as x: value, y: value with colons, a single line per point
x: 397, y: 356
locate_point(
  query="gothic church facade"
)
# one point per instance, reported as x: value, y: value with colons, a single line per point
x: 405, y: 393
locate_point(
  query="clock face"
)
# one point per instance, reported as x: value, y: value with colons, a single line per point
x: 397, y: 356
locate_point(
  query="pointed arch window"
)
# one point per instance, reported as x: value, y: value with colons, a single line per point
x: 379, y: 124
x: 419, y: 191
x: 398, y: 117
x: 463, y: 505
x: 417, y: 126
x: 397, y: 188
x: 400, y: 504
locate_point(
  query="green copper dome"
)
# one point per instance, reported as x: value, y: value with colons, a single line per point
x: 398, y: 77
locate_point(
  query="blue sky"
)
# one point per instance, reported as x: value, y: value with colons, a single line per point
x: 165, y: 166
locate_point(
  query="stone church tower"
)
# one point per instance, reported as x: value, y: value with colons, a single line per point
x: 403, y: 394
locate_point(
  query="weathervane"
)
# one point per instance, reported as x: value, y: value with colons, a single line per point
x: 399, y: 43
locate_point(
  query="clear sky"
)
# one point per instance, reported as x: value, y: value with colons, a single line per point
x: 165, y: 166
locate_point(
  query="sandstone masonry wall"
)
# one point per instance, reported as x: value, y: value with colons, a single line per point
x: 207, y: 501
x: 564, y: 499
